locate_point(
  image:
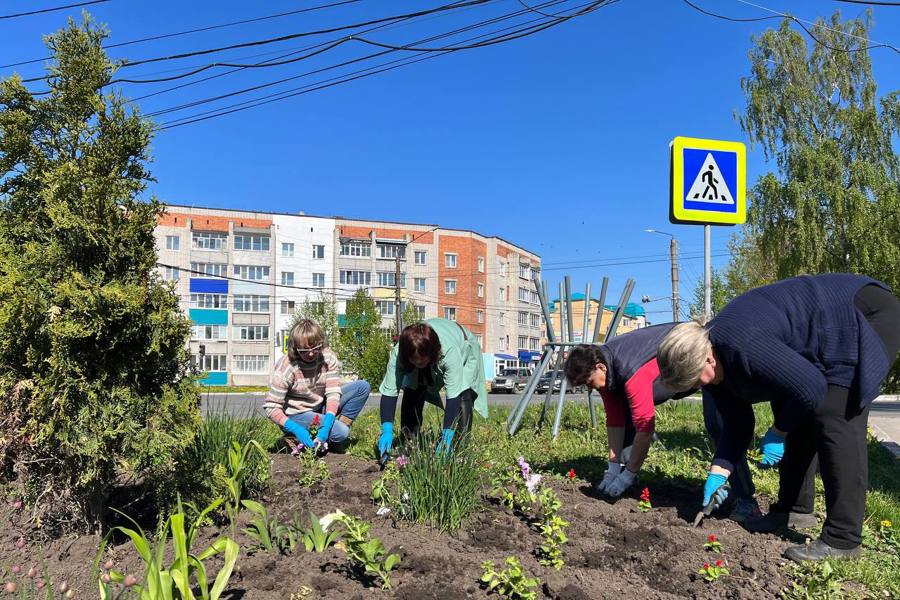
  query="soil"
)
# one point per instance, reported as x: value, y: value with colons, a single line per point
x: 614, y: 551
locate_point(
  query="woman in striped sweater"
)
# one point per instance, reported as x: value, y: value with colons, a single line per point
x: 305, y: 390
x: 817, y: 348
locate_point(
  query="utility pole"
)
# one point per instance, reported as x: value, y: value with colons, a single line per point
x: 397, y: 312
x: 673, y: 250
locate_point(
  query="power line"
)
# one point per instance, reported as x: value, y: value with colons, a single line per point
x: 197, y: 30
x: 54, y: 9
x: 870, y: 2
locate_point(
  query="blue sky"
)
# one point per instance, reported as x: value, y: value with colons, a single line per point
x: 557, y: 142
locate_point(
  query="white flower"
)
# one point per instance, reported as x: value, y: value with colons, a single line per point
x: 532, y: 481
x: 330, y: 518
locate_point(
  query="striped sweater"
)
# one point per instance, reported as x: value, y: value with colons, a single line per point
x: 299, y: 388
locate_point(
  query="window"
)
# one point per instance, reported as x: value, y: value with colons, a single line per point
x: 449, y: 286
x: 450, y: 313
x: 252, y: 333
x: 209, y: 362
x: 480, y: 339
x: 318, y: 251
x: 389, y: 278
x: 523, y: 318
x: 250, y: 363
x: 421, y: 257
x: 287, y: 278
x: 318, y: 280
x: 502, y: 318
x: 391, y: 251
x: 385, y: 307
x: 534, y: 343
x: 251, y: 272
x: 287, y: 307
x: 450, y: 260
x: 481, y: 264
x: 419, y: 284
x: 199, y: 269
x: 356, y: 277
x: 479, y: 316
x: 208, y: 332
x: 503, y: 343
x: 173, y: 242
x: 356, y: 248
x: 501, y: 292
x: 209, y: 301
x: 535, y: 320
x: 523, y: 342
x: 247, y: 303
x: 172, y: 273
x: 420, y: 311
x: 535, y: 299
x: 524, y: 296
x: 317, y: 307
x: 287, y: 249
x: 503, y: 269
x: 252, y: 242
x: 626, y: 322
x: 524, y: 270
x: 209, y: 241
x: 479, y: 290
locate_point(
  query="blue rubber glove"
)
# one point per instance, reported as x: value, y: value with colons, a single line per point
x: 714, y: 487
x: 325, y: 428
x: 772, y: 448
x: 386, y: 439
x: 446, y: 439
x: 300, y: 432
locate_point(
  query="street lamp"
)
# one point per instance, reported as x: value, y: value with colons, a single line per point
x: 673, y: 254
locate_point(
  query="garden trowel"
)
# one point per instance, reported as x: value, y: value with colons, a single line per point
x: 714, y: 503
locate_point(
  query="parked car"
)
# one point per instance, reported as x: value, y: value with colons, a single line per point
x: 510, y: 381
x: 544, y: 384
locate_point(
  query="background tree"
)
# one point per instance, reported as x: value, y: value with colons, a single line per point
x: 719, y: 297
x: 94, y: 372
x: 324, y: 312
x: 365, y: 346
x: 834, y: 202
x: 410, y: 314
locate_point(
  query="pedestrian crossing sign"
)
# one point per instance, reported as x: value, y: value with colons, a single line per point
x: 708, y: 181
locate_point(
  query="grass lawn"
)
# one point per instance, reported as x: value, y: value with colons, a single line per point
x: 680, y: 460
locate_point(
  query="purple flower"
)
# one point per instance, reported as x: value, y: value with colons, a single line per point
x: 526, y: 469
x: 402, y: 460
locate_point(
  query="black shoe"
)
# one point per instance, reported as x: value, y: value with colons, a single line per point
x: 819, y: 550
x: 776, y: 520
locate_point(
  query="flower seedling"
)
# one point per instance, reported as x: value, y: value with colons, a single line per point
x: 268, y: 533
x: 312, y: 469
x: 553, y: 528
x: 644, y: 504
x: 572, y: 478
x: 712, y: 544
x: 711, y: 572
x: 317, y: 538
x: 365, y: 553
x: 512, y: 582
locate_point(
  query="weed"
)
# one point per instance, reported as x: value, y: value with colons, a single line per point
x: 512, y: 582
x: 814, y: 581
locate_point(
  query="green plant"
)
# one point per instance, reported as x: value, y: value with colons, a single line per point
x: 516, y: 486
x: 31, y: 584
x: 713, y: 544
x: 814, y: 581
x: 237, y: 471
x: 317, y: 538
x: 365, y: 553
x: 711, y: 572
x: 96, y: 385
x: 511, y: 582
x: 187, y: 571
x: 313, y: 469
x: 268, y: 533
x: 644, y: 504
x: 382, y: 487
x: 553, y: 528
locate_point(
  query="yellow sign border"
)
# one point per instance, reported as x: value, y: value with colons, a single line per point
x: 679, y: 214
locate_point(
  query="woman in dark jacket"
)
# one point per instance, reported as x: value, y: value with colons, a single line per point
x: 818, y: 348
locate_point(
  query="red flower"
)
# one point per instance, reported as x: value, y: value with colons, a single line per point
x: 315, y: 420
x: 718, y: 563
x: 645, y: 495
x: 712, y: 537
x: 706, y: 566
x: 571, y: 474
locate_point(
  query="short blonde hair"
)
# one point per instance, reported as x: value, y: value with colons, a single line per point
x: 682, y: 354
x: 305, y: 334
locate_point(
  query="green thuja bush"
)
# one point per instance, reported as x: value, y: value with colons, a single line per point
x: 95, y: 382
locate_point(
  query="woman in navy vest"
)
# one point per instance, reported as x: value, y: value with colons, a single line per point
x: 818, y: 348
x: 626, y: 374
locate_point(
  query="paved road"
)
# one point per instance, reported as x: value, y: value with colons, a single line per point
x: 885, y: 415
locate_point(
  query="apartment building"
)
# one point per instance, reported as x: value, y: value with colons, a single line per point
x: 241, y: 276
x: 633, y: 317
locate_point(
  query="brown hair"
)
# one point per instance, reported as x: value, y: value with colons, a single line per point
x: 581, y: 363
x: 418, y: 339
x: 305, y: 334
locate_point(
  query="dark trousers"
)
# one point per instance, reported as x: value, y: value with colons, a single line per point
x: 741, y: 480
x: 413, y: 404
x: 836, y: 433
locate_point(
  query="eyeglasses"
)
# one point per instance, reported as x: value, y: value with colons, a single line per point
x: 307, y: 350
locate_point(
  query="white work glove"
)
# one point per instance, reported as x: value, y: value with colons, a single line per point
x: 611, y: 473
x: 621, y: 483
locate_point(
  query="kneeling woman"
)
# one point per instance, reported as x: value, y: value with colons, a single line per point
x: 428, y: 356
x: 626, y: 374
x: 305, y: 388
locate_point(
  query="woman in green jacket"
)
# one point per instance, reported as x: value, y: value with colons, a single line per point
x: 434, y: 354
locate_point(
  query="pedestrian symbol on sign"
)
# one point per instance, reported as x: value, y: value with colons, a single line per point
x: 709, y: 184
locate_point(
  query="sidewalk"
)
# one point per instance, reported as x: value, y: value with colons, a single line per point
x: 884, y: 419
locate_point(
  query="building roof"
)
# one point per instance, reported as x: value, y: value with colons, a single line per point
x: 632, y: 309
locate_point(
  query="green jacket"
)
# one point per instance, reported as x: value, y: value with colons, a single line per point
x: 460, y: 368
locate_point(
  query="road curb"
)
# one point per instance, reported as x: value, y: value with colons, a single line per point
x: 886, y: 441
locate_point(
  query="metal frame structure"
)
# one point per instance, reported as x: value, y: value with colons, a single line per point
x: 557, y: 346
